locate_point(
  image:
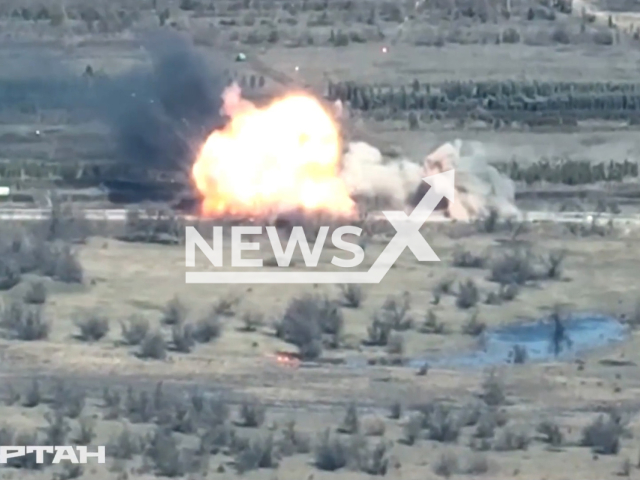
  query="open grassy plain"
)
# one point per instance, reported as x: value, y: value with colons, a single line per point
x: 104, y: 344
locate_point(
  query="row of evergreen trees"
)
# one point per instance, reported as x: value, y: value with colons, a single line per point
x: 569, y: 172
x: 594, y: 104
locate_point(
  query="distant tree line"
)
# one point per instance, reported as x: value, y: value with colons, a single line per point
x: 507, y: 100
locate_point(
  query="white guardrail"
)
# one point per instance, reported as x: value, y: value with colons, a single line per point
x: 28, y: 214
x: 115, y: 215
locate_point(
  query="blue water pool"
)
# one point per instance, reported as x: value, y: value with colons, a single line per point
x: 496, y: 346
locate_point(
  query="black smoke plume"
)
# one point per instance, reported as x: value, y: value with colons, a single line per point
x: 160, y: 115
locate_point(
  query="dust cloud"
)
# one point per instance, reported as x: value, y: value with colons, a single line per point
x: 480, y: 188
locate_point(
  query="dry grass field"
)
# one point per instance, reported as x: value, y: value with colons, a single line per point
x: 103, y: 343
x: 133, y: 347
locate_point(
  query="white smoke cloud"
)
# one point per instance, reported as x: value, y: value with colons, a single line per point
x: 366, y: 174
x: 480, y: 188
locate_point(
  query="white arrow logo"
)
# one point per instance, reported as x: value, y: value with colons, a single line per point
x: 407, y: 236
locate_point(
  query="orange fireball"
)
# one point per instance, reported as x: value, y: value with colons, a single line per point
x: 284, y: 156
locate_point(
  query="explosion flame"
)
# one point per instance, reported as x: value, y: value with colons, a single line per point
x: 285, y: 156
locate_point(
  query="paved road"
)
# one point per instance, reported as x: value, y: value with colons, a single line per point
x: 120, y: 215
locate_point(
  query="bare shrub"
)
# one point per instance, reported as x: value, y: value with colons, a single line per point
x: 216, y: 411
x: 561, y: 36
x: 7, y: 434
x: 412, y: 429
x: 511, y: 438
x: 260, y: 453
x: 153, y: 346
x: 490, y: 223
x: 486, y: 426
x: 160, y: 225
x: 446, y: 464
x: 331, y: 453
x: 139, y: 407
x: 61, y: 263
x: 67, y: 223
x: 603, y: 37
x: 252, y: 321
x: 603, y: 435
x: 431, y: 325
x: 175, y: 312
x: 480, y: 444
x: 493, y: 390
x: 226, y: 306
x: 339, y: 38
x: 351, y: 422
x: 395, y: 312
x: 207, y: 329
x: 465, y: 259
x: 510, y: 35
x: 508, y: 292
x: 165, y: 455
x: 468, y: 295
x: 378, y: 332
x: 554, y: 263
x: 293, y: 441
x: 395, y: 410
x: 373, y: 426
x: 473, y: 326
x: 352, y: 295
x: 125, y: 445
x: 57, y: 429
x: 550, y: 432
x: 182, y: 337
x: 112, y: 401
x: 36, y: 293
x: 252, y: 414
x: 395, y: 345
x: 443, y: 424
x: 308, y: 321
x: 437, y: 296
x: 33, y: 395
x: 93, y: 327
x: 471, y: 413
x: 444, y: 287
x: 69, y: 401
x: 10, y: 274
x: 134, y: 330
x: 493, y: 298
x: 373, y: 461
x: 36, y: 250
x: 12, y: 396
x: 516, y: 266
x: 25, y: 322
x: 475, y: 464
x: 414, y: 121
x: 86, y: 431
